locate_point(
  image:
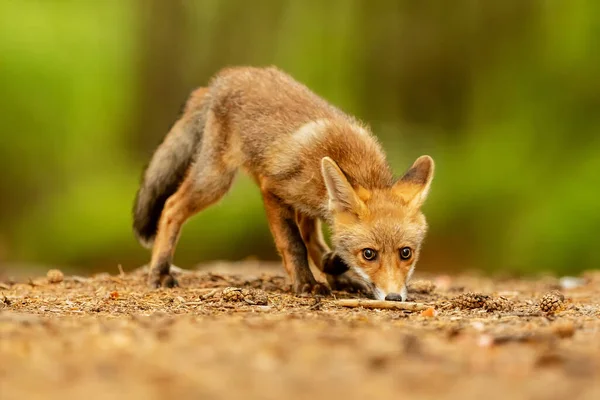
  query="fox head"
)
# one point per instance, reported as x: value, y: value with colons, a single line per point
x: 378, y: 233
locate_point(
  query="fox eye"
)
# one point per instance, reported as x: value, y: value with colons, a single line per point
x: 369, y: 254
x: 405, y: 253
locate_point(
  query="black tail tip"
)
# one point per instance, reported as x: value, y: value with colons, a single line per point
x: 146, y: 214
x: 144, y: 239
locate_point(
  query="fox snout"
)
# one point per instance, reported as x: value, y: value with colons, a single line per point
x: 395, y: 290
x: 398, y: 294
x: 385, y: 283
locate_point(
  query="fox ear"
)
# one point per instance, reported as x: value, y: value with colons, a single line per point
x: 342, y: 196
x: 414, y: 185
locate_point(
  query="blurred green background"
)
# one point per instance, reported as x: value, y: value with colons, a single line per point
x: 505, y: 95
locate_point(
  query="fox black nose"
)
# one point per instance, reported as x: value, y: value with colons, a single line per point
x: 393, y: 297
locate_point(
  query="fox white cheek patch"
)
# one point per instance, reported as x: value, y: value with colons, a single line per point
x: 410, y: 274
x: 362, y: 274
x: 377, y: 292
x: 404, y: 293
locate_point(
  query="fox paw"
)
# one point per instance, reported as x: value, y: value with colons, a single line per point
x: 348, y: 282
x: 333, y: 264
x: 162, y: 280
x: 314, y: 289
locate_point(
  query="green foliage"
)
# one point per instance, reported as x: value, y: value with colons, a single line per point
x: 503, y: 95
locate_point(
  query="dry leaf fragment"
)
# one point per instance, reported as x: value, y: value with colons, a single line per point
x: 430, y: 312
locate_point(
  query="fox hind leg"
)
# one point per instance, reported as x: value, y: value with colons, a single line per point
x: 207, y: 180
x: 193, y: 196
x: 178, y: 208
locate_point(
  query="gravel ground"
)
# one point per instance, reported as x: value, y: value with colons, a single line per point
x: 238, y: 332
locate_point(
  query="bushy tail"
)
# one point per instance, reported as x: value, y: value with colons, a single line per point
x: 168, y: 167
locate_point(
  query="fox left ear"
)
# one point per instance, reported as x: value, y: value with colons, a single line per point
x: 414, y: 185
x: 342, y: 197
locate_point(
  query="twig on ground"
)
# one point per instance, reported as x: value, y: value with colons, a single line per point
x: 390, y: 305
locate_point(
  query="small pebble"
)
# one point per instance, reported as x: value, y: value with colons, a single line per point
x: 55, y: 276
x: 478, y: 326
x: 571, y: 282
x: 485, y: 341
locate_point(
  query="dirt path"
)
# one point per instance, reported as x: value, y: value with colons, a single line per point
x: 110, y: 337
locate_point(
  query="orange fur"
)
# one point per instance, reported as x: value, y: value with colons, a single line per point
x: 312, y: 163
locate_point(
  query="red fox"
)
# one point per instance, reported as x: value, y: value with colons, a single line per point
x: 312, y: 163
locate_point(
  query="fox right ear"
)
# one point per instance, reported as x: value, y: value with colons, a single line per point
x: 414, y: 186
x: 342, y: 197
